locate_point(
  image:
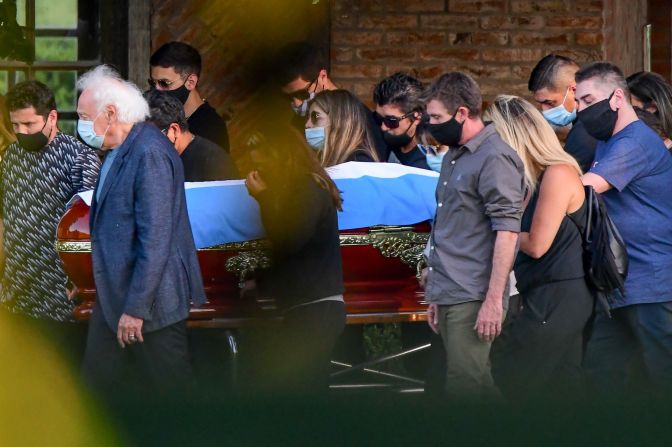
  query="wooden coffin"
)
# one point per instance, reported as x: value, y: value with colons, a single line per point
x: 380, y: 267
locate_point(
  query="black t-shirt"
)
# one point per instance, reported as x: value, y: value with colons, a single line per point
x: 414, y: 158
x: 207, y: 123
x: 204, y: 161
x: 581, y: 145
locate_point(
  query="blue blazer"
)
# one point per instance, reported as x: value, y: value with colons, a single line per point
x: 144, y: 258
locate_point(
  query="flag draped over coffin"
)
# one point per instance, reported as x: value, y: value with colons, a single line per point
x: 373, y: 194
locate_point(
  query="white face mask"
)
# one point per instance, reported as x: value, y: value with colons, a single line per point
x: 302, y: 110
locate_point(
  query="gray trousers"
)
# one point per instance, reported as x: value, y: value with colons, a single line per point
x: 467, y: 357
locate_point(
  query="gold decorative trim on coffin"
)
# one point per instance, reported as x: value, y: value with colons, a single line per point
x: 392, y: 242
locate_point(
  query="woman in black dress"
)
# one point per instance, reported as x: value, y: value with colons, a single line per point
x: 540, y: 350
x: 299, y: 203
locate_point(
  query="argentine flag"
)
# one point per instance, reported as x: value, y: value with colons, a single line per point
x: 373, y: 194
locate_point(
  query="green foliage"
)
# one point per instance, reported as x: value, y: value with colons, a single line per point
x: 381, y: 340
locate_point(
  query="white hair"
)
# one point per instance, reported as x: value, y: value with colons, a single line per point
x: 108, y: 88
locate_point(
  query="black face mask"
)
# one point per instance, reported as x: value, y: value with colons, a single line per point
x: 33, y: 142
x: 599, y: 119
x: 396, y: 141
x: 448, y: 133
x: 181, y: 93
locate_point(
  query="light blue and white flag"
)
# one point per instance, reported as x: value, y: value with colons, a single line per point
x: 373, y: 194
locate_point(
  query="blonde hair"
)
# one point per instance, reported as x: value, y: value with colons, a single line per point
x: 347, y: 132
x: 524, y: 128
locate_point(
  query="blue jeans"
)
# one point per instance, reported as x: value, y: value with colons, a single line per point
x: 632, y: 349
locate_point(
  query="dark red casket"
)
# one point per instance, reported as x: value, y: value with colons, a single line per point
x: 380, y: 265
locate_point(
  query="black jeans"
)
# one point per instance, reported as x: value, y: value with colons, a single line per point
x: 160, y: 364
x: 632, y: 350
x: 541, y: 347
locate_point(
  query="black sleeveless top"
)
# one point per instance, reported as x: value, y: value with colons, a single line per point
x: 562, y: 261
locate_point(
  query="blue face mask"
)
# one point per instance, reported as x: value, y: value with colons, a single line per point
x: 315, y: 137
x: 434, y: 159
x: 88, y: 135
x: 559, y: 116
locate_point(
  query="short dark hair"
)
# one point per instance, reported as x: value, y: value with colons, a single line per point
x: 165, y: 110
x: 455, y: 89
x: 31, y: 94
x: 182, y: 57
x: 606, y: 72
x: 545, y: 73
x: 298, y: 59
x: 401, y: 90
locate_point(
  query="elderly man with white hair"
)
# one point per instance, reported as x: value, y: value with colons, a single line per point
x: 144, y: 258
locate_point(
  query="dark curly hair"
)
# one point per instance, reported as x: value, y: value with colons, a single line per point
x: 31, y: 94
x: 401, y: 90
x: 165, y: 110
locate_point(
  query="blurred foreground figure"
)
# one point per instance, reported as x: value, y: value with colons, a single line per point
x: 633, y: 172
x: 42, y: 402
x: 298, y: 203
x: 144, y: 259
x: 541, y: 348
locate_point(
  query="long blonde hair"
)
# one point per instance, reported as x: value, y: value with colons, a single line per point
x: 524, y: 128
x: 347, y: 132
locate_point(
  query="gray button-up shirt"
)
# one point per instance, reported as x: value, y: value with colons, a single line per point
x: 480, y: 192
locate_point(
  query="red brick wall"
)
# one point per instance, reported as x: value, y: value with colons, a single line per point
x: 496, y: 41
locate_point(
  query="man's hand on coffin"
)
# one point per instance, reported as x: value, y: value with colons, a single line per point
x: 423, y: 277
x: 129, y: 330
x: 254, y: 183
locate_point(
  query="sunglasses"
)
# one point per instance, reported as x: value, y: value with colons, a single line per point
x: 391, y: 122
x: 302, y: 94
x: 163, y: 83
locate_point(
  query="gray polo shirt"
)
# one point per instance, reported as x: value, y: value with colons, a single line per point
x: 480, y: 191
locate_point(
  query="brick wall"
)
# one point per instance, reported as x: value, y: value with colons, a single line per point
x: 233, y: 36
x: 496, y: 41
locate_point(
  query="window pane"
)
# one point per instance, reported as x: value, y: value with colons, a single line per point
x: 60, y: 14
x: 67, y: 126
x: 3, y: 82
x: 21, y: 12
x: 56, y: 49
x: 62, y: 83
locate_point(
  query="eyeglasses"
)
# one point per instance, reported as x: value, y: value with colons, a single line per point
x: 391, y: 122
x: 163, y: 83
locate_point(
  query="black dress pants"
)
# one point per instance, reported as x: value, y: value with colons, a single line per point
x: 160, y: 364
x: 303, y: 351
x: 540, y: 350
